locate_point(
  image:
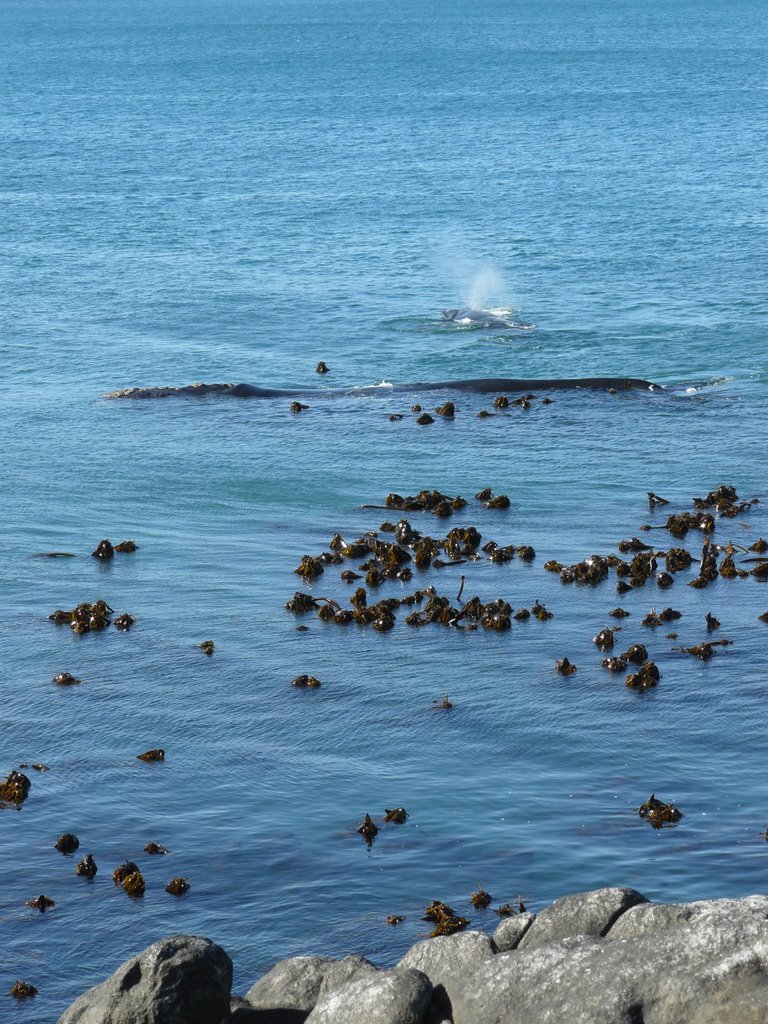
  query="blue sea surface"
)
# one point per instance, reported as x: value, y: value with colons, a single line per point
x: 232, y: 191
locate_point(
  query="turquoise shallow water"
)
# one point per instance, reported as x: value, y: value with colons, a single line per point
x: 232, y: 192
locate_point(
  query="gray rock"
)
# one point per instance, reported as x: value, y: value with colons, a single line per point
x: 507, y: 936
x: 292, y: 984
x: 179, y: 979
x: 583, y: 913
x: 442, y: 958
x: 339, y: 972
x: 712, y: 967
x: 398, y: 996
x: 648, y: 918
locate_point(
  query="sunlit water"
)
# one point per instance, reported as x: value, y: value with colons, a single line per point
x: 234, y: 191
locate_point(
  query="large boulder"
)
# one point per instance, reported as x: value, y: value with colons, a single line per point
x: 710, y: 967
x: 399, y: 996
x: 179, y: 979
x: 511, y: 930
x: 339, y: 972
x: 582, y: 913
x: 291, y: 985
x: 442, y: 958
x: 650, y: 918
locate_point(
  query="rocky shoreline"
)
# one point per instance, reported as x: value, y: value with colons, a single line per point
x: 609, y: 956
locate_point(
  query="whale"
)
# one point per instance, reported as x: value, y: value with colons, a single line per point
x: 476, y: 385
x: 483, y: 318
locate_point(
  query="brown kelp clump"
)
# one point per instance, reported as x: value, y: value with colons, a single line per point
x: 368, y: 829
x: 106, y: 551
x: 15, y: 789
x: 90, y: 618
x: 23, y: 990
x: 445, y: 920
x: 67, y: 843
x: 480, y: 899
x: 86, y: 868
x: 177, y: 886
x: 658, y: 814
x: 41, y: 903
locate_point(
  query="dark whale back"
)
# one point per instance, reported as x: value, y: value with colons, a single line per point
x: 478, y: 385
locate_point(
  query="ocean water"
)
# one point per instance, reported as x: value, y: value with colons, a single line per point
x: 233, y: 191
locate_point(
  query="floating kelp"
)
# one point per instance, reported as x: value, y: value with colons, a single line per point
x: 680, y: 523
x: 448, y: 410
x: 84, y: 618
x: 15, y: 789
x: 725, y: 501
x: 37, y: 767
x: 632, y: 545
x: 655, y: 499
x: 67, y: 843
x: 448, y: 924
x: 398, y: 815
x: 500, y: 501
x: 298, y: 407
x: 301, y: 603
x: 41, y: 903
x: 156, y: 754
x: 619, y: 613
x: 614, y: 664
x: 104, y: 551
x: 207, y: 647
x: 309, y: 568
x: 86, y: 868
x: 66, y: 679
x: 122, y: 872
x: 505, y: 910
x: 306, y: 682
x: 424, y: 419
x: 646, y: 676
x: 321, y: 368
x: 154, y: 848
x: 636, y: 653
x: 368, y: 829
x: 22, y: 990
x: 712, y: 622
x: 659, y: 814
x: 654, y: 618
x: 439, y: 504
x: 604, y: 640
x: 436, y: 910
x: 134, y: 884
x: 539, y: 612
x: 565, y: 667
x: 480, y: 899
x: 677, y: 559
x: 395, y: 919
x: 442, y: 705
x: 706, y: 650
x: 177, y: 886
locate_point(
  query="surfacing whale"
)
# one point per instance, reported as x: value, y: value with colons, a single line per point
x: 478, y: 385
x: 483, y: 318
